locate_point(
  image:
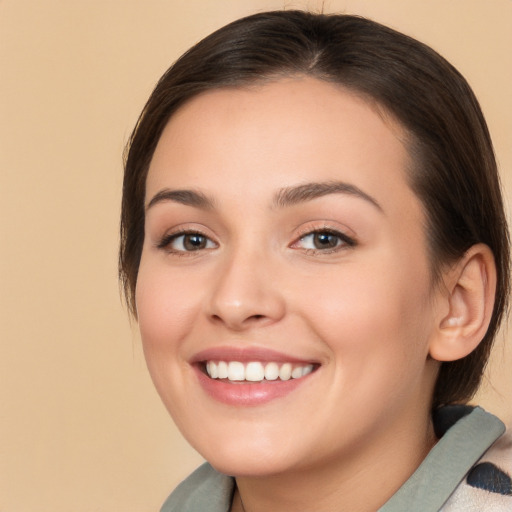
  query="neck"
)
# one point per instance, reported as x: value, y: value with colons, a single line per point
x: 362, y: 480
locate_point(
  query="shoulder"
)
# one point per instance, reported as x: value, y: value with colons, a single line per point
x: 205, y: 489
x: 488, y: 484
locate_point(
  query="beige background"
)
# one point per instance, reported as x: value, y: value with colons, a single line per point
x: 81, y: 428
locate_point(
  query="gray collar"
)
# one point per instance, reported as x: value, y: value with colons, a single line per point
x: 447, y: 463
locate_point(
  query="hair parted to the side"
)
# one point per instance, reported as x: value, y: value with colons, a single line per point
x: 454, y: 170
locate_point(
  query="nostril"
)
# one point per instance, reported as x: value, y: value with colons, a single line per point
x: 244, y: 312
x: 239, y: 322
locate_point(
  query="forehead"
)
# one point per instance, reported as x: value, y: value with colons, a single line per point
x: 282, y: 133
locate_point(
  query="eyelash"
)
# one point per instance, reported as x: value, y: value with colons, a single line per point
x: 168, y: 239
x: 344, y: 241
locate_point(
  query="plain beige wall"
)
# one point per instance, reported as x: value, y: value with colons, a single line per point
x: 81, y: 428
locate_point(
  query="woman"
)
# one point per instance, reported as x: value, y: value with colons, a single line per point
x: 314, y: 245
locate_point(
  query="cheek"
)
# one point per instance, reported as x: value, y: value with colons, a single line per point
x: 379, y: 345
x: 369, y: 312
x: 166, y: 308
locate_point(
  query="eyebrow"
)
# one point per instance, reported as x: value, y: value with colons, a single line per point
x: 290, y: 196
x: 186, y: 197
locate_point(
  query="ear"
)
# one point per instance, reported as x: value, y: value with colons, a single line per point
x: 467, y: 305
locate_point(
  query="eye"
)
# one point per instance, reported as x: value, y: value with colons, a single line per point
x: 324, y: 240
x: 186, y: 242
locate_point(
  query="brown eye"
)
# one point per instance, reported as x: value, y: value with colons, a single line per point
x: 186, y: 242
x: 194, y: 242
x: 325, y: 240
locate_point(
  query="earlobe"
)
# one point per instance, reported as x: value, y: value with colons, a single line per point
x: 470, y: 287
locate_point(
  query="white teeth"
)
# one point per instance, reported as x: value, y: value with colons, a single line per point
x: 271, y: 371
x: 236, y: 371
x: 307, y: 369
x: 297, y: 373
x: 211, y: 368
x: 301, y: 371
x: 285, y: 372
x: 256, y: 371
x: 222, y: 370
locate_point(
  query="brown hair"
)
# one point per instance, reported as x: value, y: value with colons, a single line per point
x: 454, y: 174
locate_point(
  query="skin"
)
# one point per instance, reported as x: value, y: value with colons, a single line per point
x: 365, y: 312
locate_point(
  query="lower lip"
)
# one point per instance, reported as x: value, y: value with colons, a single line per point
x: 246, y: 394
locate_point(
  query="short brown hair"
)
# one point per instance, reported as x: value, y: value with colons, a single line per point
x: 454, y: 175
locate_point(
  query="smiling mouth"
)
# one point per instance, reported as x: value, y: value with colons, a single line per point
x: 255, y: 371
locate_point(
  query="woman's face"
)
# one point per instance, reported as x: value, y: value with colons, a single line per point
x: 285, y: 255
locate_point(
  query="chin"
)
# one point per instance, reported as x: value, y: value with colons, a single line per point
x: 244, y: 458
x: 245, y: 465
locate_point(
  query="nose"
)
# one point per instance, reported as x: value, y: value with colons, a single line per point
x: 245, y: 293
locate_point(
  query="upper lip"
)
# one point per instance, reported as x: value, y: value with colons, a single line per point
x: 247, y: 354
